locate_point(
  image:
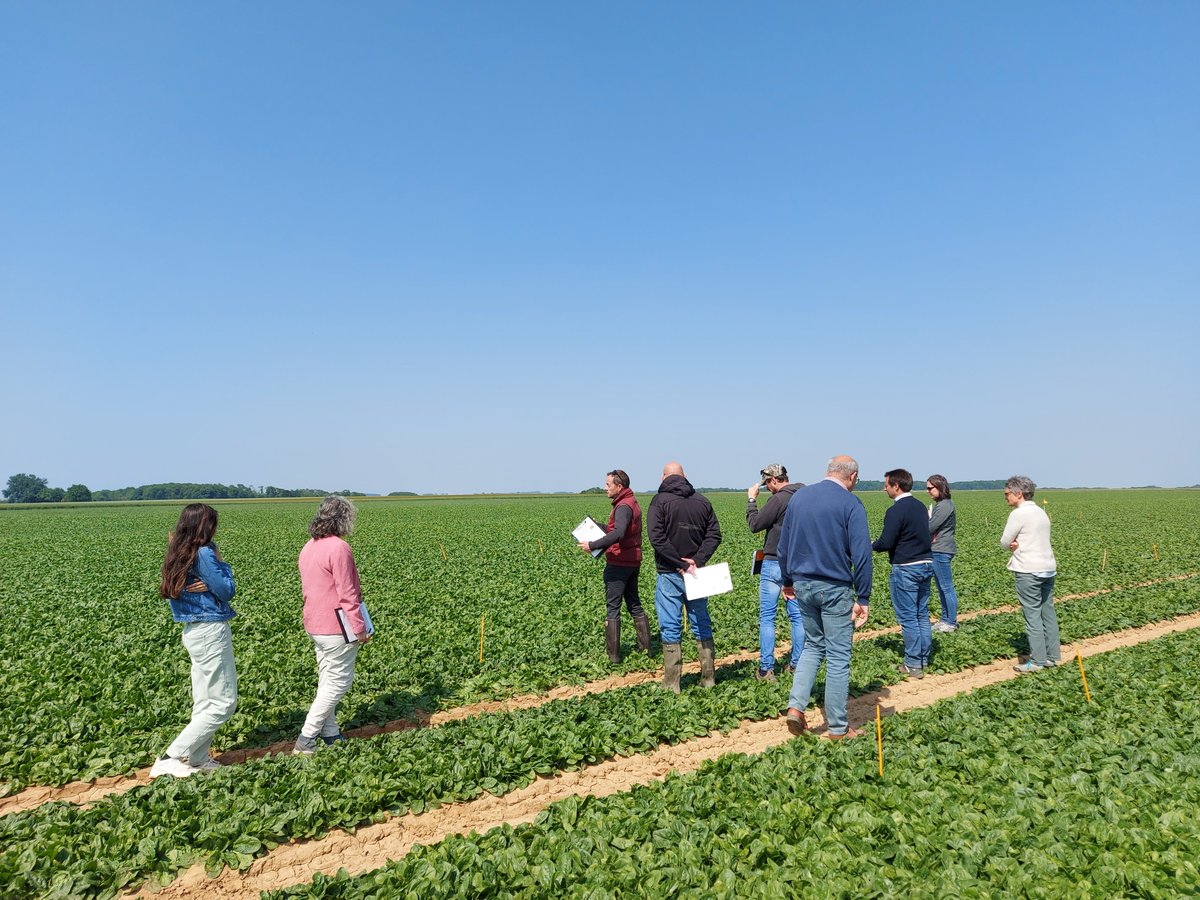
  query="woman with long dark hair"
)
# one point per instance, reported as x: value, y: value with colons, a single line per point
x: 199, y: 585
x: 941, y: 533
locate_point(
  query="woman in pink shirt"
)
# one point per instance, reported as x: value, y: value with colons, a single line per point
x: 329, y: 579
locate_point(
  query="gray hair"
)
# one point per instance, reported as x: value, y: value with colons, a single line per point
x: 1021, y: 484
x: 335, y: 517
x: 842, y: 467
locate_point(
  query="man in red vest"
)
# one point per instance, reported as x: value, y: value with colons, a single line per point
x: 622, y: 546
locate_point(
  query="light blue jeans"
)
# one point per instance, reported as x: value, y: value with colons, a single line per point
x: 944, y: 580
x: 1036, y: 593
x: 214, y: 688
x: 828, y: 633
x: 769, y: 586
x: 669, y: 603
x: 910, y: 600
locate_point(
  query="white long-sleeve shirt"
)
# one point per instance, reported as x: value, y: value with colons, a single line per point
x: 1029, y: 526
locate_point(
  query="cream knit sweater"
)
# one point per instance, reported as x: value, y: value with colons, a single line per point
x: 1029, y: 526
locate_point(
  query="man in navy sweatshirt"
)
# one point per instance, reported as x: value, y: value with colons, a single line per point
x: 824, y: 557
x: 905, y: 539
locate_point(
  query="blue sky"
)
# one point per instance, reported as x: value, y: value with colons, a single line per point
x: 509, y: 246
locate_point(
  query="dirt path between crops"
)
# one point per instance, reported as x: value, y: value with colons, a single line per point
x: 87, y: 792
x: 373, y: 846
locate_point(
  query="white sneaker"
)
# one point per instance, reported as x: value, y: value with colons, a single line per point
x: 169, y: 765
x: 944, y: 627
x: 209, y: 765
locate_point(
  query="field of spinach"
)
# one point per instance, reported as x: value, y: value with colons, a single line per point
x: 1021, y: 789
x: 95, y: 679
x: 242, y: 812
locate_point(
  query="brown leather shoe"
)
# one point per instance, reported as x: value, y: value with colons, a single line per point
x: 760, y: 675
x: 795, y: 722
x: 850, y: 734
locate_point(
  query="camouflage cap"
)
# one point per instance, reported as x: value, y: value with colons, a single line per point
x: 774, y: 470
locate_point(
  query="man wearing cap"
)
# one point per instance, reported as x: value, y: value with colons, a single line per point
x: 770, y: 519
x: 684, y: 533
x: 825, y: 557
x: 622, y: 546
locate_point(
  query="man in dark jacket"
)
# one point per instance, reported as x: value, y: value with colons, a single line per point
x: 622, y: 546
x: 770, y: 519
x: 684, y: 534
x: 905, y: 539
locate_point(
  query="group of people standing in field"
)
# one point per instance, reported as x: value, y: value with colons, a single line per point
x: 817, y: 557
x: 200, y: 588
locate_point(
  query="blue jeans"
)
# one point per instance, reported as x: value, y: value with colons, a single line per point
x: 769, y: 586
x: 910, y: 600
x: 669, y: 603
x: 1036, y: 593
x: 828, y: 633
x: 945, y: 585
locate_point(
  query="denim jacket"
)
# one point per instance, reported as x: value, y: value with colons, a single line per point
x: 213, y: 604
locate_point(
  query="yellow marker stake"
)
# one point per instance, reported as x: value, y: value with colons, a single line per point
x: 540, y: 544
x: 1156, y: 552
x: 1082, y: 674
x: 443, y: 549
x: 879, y: 738
x: 481, y: 618
x: 1104, y: 560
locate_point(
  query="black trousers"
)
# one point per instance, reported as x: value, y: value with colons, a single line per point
x: 621, y: 583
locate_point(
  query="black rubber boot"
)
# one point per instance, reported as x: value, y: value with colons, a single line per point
x: 612, y: 639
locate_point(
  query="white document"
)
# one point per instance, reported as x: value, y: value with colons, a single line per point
x: 588, y: 530
x: 708, y: 581
x: 348, y: 629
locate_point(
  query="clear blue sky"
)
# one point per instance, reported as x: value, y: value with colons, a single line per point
x: 509, y: 246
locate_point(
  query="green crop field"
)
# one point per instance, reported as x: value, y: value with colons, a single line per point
x: 95, y: 682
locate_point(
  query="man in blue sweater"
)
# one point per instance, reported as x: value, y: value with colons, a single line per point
x: 825, y: 558
x: 905, y: 539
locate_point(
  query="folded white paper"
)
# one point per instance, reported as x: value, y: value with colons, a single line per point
x: 708, y: 581
x: 588, y: 530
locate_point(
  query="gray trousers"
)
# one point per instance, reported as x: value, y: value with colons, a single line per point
x: 1041, y: 622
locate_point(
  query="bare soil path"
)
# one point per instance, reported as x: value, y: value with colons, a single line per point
x: 373, y: 846
x: 86, y: 792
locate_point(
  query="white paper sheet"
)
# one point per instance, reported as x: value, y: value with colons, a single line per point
x: 588, y: 530
x: 708, y: 581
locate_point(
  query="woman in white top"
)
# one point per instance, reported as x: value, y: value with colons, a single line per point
x: 1027, y: 535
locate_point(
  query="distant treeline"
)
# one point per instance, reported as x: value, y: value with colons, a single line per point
x: 177, y: 490
x: 26, y: 488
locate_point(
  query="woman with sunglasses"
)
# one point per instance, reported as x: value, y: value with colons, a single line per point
x: 941, y: 532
